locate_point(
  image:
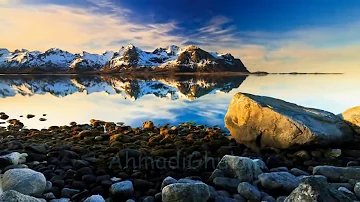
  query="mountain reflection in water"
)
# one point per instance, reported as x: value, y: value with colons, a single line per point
x: 174, y: 87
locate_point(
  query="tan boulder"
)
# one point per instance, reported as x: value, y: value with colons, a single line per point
x: 260, y: 121
x: 352, y: 117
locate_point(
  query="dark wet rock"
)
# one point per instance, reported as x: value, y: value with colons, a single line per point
x: 80, y: 164
x: 226, y: 183
x: 149, y: 199
x: 83, y: 171
x: 4, y: 116
x: 97, y: 190
x: 88, y: 179
x: 316, y: 189
x: 282, y: 199
x: 140, y: 184
x: 223, y: 193
x: 95, y: 198
x: 279, y: 181
x: 279, y: 169
x: 14, y: 196
x: 357, y: 189
x: 58, y: 183
x: 70, y: 174
x: 13, y: 158
x: 348, y: 193
x: 36, y: 157
x: 346, y: 185
x: 168, y: 180
x: 48, y: 196
x: 186, y: 192
x: 243, y: 168
x: 14, y: 167
x: 122, y: 189
x: 224, y: 199
x: 298, y: 172
x: 337, y: 174
x: 29, y: 116
x: 249, y: 191
x: 39, y: 148
x: 268, y: 199
x: 14, y: 145
x: 80, y: 195
x: 78, y: 185
x: 68, y: 193
x: 214, y: 174
x: 25, y: 181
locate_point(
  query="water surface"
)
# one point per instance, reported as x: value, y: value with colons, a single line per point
x: 176, y: 99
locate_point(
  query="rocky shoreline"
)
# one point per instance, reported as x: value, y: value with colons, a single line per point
x: 72, y: 163
x: 106, y: 161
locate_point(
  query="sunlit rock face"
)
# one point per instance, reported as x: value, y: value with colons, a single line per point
x: 268, y: 122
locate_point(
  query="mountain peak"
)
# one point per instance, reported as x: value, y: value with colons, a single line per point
x: 130, y: 46
x: 128, y: 58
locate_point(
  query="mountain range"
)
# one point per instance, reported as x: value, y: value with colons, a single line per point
x: 180, y: 87
x: 127, y: 59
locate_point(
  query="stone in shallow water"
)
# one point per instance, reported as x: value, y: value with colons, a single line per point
x: 186, y: 192
x: 25, y: 181
x: 264, y: 122
x: 314, y: 189
x: 279, y: 181
x: 14, y: 196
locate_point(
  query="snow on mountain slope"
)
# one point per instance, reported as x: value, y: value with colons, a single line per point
x: 190, y: 58
x: 88, y: 61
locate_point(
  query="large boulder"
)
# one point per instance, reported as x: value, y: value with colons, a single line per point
x: 25, y: 181
x: 186, y: 192
x: 14, y: 196
x: 315, y: 189
x: 352, y: 117
x: 260, y: 121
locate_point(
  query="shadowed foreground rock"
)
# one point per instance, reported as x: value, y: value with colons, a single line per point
x: 261, y: 121
x: 314, y: 189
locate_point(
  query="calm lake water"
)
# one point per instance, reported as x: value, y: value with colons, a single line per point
x: 173, y: 100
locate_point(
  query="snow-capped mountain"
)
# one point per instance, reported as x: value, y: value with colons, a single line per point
x: 90, y: 62
x: 189, y: 88
x: 129, y: 58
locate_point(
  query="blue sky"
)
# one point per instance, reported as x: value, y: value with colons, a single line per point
x: 271, y: 35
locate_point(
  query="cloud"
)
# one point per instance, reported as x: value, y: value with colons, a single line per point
x: 104, y: 26
x: 74, y: 28
x: 320, y: 49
